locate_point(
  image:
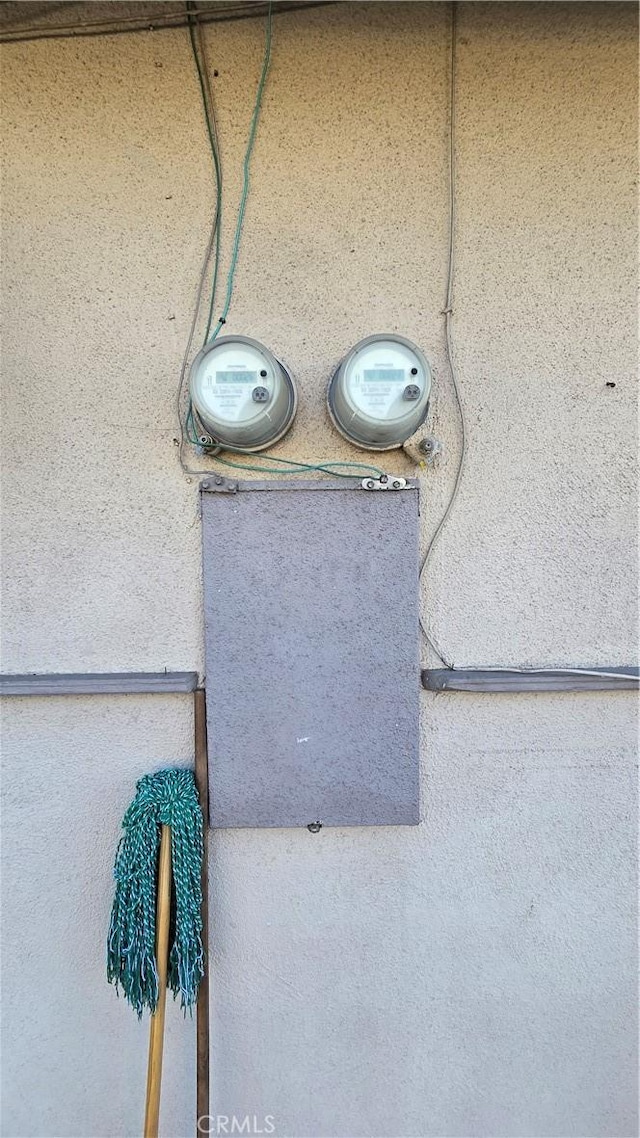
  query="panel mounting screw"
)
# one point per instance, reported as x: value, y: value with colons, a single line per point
x: 205, y: 485
x: 314, y: 827
x: 218, y: 481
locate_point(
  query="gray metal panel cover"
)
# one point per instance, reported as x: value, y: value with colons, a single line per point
x: 312, y: 655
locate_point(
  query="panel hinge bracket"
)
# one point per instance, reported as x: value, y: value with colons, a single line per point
x: 385, y: 482
x: 219, y: 485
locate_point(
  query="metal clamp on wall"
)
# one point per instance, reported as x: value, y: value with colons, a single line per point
x: 385, y: 482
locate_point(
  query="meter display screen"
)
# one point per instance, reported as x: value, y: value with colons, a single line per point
x: 228, y: 379
x: 236, y: 377
x: 375, y: 375
x: 376, y: 381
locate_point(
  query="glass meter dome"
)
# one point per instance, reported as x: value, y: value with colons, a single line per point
x: 379, y: 395
x: 243, y: 396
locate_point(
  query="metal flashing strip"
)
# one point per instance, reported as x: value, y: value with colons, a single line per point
x: 99, y: 683
x: 496, y: 680
x: 433, y: 679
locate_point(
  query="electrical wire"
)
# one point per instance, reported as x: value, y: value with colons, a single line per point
x: 448, y: 312
x: 328, y: 466
x: 246, y: 175
x: 200, y: 59
x: 199, y: 56
x: 160, y: 20
x: 189, y: 471
x: 187, y: 425
x: 606, y: 675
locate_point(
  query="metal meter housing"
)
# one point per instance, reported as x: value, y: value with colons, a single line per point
x: 379, y: 394
x: 243, y: 396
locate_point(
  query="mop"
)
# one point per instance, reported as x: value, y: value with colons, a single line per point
x: 147, y: 950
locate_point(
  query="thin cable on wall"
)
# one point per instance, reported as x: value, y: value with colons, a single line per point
x: 246, y: 177
x: 150, y: 17
x: 199, y: 55
x: 448, y: 313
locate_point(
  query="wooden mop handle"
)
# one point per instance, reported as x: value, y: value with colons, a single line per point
x: 156, y: 1031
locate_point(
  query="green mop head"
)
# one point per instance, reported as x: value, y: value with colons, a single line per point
x: 168, y: 797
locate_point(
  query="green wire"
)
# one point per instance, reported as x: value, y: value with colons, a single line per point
x: 292, y: 466
x: 217, y: 170
x: 245, y: 183
x: 300, y: 467
x: 189, y: 426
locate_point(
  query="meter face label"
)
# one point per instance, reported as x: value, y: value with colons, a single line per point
x: 376, y: 389
x: 229, y: 378
x: 376, y: 382
x: 230, y: 393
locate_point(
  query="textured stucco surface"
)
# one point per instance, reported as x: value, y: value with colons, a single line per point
x: 474, y: 975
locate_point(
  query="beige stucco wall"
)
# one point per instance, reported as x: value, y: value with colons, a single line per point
x: 474, y: 976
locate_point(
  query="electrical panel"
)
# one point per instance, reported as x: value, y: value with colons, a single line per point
x: 312, y: 652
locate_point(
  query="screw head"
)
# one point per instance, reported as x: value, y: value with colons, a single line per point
x: 218, y: 481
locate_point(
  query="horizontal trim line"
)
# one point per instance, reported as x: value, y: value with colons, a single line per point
x: 98, y: 683
x: 433, y: 679
x: 496, y: 680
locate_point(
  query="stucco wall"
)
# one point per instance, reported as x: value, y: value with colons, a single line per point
x: 476, y: 975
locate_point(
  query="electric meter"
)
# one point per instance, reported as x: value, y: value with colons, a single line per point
x: 379, y: 394
x: 243, y: 396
